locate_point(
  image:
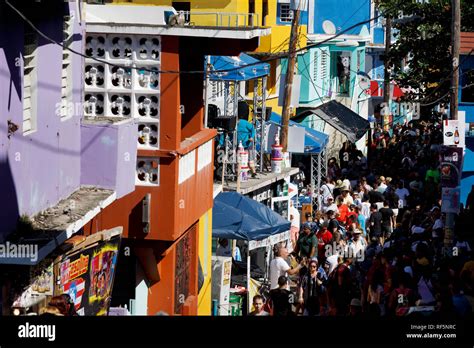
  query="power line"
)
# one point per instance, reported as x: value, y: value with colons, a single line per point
x: 46, y: 37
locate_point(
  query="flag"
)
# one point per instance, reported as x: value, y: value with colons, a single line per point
x: 75, y: 289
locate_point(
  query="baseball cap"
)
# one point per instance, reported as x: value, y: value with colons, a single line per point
x: 355, y: 302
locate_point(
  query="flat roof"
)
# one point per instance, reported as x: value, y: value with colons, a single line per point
x: 150, y: 20
x: 53, y: 226
x: 467, y: 42
x: 207, y: 32
x: 262, y: 180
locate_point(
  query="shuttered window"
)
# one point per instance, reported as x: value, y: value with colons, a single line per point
x: 66, y: 74
x: 315, y: 65
x: 30, y: 46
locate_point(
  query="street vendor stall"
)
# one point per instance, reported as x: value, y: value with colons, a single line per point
x: 236, y: 217
x: 315, y: 144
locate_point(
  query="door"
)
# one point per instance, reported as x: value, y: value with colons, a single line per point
x: 264, y: 13
x: 251, y: 13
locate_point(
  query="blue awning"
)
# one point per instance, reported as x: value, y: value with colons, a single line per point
x: 314, y: 141
x: 235, y: 216
x: 237, y: 69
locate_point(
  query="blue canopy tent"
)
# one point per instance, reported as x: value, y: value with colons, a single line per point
x: 227, y: 71
x: 240, y: 68
x: 315, y: 143
x: 235, y: 216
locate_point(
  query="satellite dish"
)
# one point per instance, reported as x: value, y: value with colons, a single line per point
x: 364, y: 82
x: 329, y: 27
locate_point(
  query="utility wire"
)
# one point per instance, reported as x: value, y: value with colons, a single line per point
x: 46, y: 37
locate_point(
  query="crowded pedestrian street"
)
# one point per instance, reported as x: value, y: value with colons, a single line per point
x: 377, y: 247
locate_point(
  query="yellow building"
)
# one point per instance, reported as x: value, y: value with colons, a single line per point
x: 265, y: 13
x: 205, y: 254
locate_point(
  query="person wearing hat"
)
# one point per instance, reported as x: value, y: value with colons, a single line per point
x: 357, y: 245
x: 346, y: 197
x: 312, y: 224
x: 337, y: 188
x: 330, y: 205
x: 355, y: 309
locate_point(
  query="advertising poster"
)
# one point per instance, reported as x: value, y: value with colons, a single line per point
x: 454, y: 131
x: 87, y: 276
x: 451, y: 200
x: 451, y: 166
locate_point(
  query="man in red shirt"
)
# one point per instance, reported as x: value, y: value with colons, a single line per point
x: 324, y: 237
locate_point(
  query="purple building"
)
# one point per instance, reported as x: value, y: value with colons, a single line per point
x: 48, y: 152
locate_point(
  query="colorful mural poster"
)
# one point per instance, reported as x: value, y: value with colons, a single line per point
x: 88, y: 275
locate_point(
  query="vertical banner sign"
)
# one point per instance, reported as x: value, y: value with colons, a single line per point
x: 454, y: 131
x: 451, y: 166
x: 451, y: 159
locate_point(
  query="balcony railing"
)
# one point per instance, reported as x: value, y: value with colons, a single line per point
x: 220, y: 19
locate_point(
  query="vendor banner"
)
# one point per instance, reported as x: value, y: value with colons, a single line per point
x: 451, y: 166
x: 454, y: 131
x: 87, y: 276
x: 451, y: 200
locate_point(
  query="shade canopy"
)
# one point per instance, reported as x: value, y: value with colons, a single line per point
x: 240, y: 68
x: 235, y: 216
x: 314, y: 141
x: 340, y: 117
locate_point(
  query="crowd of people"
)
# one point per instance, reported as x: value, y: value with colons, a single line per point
x: 376, y: 245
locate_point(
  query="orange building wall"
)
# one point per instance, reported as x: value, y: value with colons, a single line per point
x: 174, y: 208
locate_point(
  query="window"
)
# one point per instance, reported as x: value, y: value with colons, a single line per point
x: 30, y: 46
x: 264, y: 12
x: 286, y: 15
x: 315, y: 65
x: 66, y: 75
x: 252, y: 13
x: 324, y: 65
x: 378, y: 20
